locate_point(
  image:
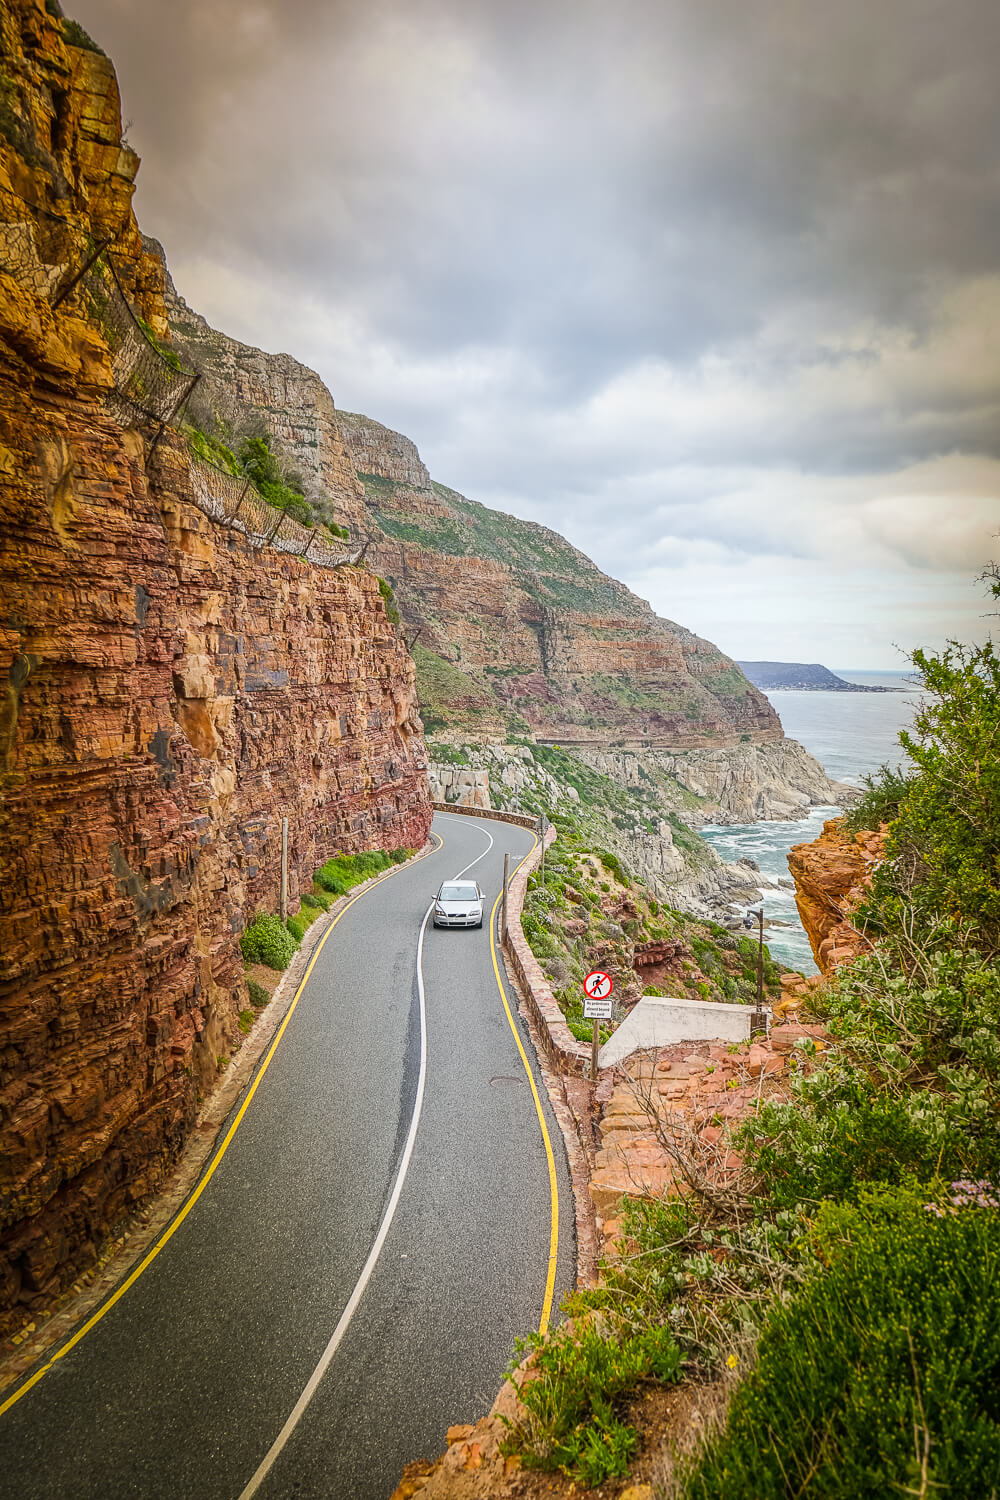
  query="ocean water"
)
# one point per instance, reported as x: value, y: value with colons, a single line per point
x: 850, y: 734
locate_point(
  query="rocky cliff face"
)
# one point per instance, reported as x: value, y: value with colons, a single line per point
x: 547, y: 640
x: 239, y: 382
x: 831, y: 875
x: 518, y: 629
x: 169, y: 696
x: 634, y: 821
x: 747, y: 783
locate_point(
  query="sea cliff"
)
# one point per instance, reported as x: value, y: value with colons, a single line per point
x: 831, y: 875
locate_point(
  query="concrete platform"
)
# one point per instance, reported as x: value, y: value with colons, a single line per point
x: 657, y: 1022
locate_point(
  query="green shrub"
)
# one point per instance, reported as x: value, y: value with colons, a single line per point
x: 258, y: 994
x: 296, y: 927
x: 75, y: 36
x: 881, y: 802
x: 613, y: 865
x: 268, y: 941
x: 386, y: 590
x: 572, y: 1422
x: 942, y: 861
x: 881, y: 1377
x: 280, y: 488
x: 247, y: 1019
x: 318, y: 900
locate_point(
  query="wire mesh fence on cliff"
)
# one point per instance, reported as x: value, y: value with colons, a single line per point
x: 38, y: 248
x: 148, y: 382
x: 58, y: 261
x: 233, y: 501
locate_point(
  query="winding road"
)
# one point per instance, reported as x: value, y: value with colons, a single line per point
x: 388, y: 1208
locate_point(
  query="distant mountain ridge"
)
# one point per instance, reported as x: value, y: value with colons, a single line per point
x: 805, y: 677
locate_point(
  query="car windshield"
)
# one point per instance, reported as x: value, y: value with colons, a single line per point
x: 458, y: 893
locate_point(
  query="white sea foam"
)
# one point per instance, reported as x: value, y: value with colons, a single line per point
x: 850, y: 734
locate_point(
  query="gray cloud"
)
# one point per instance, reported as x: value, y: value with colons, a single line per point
x: 595, y: 256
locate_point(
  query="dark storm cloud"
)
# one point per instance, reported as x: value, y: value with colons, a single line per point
x: 594, y: 187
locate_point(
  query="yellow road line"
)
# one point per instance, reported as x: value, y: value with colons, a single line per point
x: 176, y: 1223
x: 550, y: 1280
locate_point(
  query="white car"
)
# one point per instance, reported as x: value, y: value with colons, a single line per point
x: 458, y: 903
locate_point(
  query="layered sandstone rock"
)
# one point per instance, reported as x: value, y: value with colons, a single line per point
x: 565, y: 650
x: 238, y: 380
x: 831, y: 875
x: 533, y: 635
x: 170, y: 695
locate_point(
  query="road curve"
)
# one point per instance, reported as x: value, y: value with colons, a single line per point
x: 186, y: 1383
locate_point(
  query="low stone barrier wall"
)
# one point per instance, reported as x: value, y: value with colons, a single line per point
x: 659, y: 1021
x: 564, y: 1052
x: 521, y: 819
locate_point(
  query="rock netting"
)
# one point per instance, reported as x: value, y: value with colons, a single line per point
x: 237, y: 379
x: 169, y: 696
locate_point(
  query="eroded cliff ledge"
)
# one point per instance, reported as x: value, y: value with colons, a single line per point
x: 169, y: 694
x: 831, y: 876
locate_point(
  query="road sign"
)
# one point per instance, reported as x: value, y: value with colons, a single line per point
x: 596, y: 1010
x: 598, y: 985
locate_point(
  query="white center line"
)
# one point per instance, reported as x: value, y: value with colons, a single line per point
x: 295, y: 1415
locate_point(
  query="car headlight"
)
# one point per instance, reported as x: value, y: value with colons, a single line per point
x: 439, y: 911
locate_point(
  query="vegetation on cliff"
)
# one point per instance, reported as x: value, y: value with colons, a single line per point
x: 586, y: 913
x: 839, y: 1295
x: 254, y: 459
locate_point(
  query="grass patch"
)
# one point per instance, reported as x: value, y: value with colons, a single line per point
x: 342, y: 872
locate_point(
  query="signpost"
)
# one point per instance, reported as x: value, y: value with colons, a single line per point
x: 597, y: 989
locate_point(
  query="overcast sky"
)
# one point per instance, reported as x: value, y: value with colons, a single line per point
x: 710, y: 286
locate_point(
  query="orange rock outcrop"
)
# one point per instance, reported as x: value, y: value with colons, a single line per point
x: 831, y: 875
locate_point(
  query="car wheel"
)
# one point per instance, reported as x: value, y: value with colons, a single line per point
x: 480, y: 922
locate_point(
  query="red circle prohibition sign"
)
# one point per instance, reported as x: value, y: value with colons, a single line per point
x: 598, y: 985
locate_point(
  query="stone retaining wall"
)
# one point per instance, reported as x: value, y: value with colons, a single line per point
x: 521, y: 819
x: 564, y: 1052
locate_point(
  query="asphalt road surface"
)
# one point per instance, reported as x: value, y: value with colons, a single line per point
x: 184, y: 1388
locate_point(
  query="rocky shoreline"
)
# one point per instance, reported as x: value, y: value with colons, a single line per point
x: 653, y: 803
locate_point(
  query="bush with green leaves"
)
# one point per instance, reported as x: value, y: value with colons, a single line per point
x: 342, y: 872
x: 279, y: 487
x: 942, y: 861
x: 258, y: 994
x: 573, y: 1407
x: 880, y: 803
x: 389, y: 598
x: 881, y: 1376
x: 911, y: 1088
x: 268, y: 941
